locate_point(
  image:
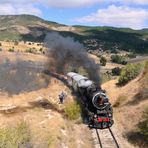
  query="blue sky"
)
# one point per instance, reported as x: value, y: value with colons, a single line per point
x: 116, y: 13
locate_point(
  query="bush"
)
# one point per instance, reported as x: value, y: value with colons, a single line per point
x: 11, y: 50
x: 143, y: 82
x: 129, y: 72
x: 118, y: 59
x: 116, y: 71
x: 131, y: 55
x: 12, y: 137
x: 50, y: 140
x: 72, y: 110
x: 105, y: 77
x: 41, y: 49
x: 143, y: 126
x: 39, y: 44
x: 103, y: 61
x: 16, y: 42
x: 114, y: 51
x: 31, y: 50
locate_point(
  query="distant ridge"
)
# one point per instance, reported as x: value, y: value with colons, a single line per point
x: 33, y: 28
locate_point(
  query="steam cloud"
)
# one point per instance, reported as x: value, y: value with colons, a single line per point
x: 64, y: 52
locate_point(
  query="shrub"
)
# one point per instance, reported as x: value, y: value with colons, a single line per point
x: 11, y: 50
x: 105, y: 77
x: 114, y: 51
x: 118, y: 59
x: 39, y: 44
x: 72, y: 110
x: 31, y: 50
x: 16, y: 42
x: 129, y: 72
x: 116, y: 71
x: 103, y: 61
x: 143, y: 126
x: 131, y: 55
x: 50, y: 140
x: 12, y: 137
x: 143, y: 82
x: 41, y: 49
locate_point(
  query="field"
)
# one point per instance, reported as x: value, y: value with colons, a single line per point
x: 29, y: 101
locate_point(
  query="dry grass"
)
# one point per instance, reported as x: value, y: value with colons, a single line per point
x: 13, y: 137
x: 120, y: 100
x: 20, y: 47
x: 130, y: 102
x: 72, y: 110
x: 48, y: 126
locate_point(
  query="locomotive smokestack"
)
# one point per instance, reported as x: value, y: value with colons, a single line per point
x: 65, y: 52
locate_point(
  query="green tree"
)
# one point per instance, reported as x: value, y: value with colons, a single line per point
x: 118, y: 59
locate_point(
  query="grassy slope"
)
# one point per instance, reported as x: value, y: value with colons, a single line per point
x: 131, y: 103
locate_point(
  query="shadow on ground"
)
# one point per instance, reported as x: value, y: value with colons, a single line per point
x: 138, y: 139
x: 44, y: 103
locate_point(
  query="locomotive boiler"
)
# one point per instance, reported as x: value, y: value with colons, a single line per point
x: 95, y: 101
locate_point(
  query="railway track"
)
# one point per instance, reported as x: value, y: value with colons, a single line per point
x: 105, y: 139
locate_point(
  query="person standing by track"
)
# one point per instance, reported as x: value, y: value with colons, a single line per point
x: 62, y: 97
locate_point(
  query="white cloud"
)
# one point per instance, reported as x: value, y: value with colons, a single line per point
x: 70, y: 3
x: 30, y: 7
x: 19, y: 9
x: 118, y: 16
x: 137, y: 1
x: 141, y: 2
x: 55, y: 3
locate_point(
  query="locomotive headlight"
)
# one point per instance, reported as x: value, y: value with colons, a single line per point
x: 95, y: 116
x: 109, y: 115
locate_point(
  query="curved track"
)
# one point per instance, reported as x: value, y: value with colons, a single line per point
x: 106, y: 139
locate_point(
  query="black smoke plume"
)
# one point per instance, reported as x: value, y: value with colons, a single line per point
x: 65, y: 52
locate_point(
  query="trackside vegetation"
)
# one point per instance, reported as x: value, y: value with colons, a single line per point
x: 129, y: 72
x: 13, y: 137
x: 72, y: 110
x: 143, y: 125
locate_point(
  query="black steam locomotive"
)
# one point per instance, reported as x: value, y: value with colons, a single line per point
x: 95, y: 101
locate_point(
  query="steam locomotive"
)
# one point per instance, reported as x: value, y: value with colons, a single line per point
x: 96, y: 103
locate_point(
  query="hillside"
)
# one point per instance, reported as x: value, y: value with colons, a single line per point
x: 131, y: 108
x: 32, y: 28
